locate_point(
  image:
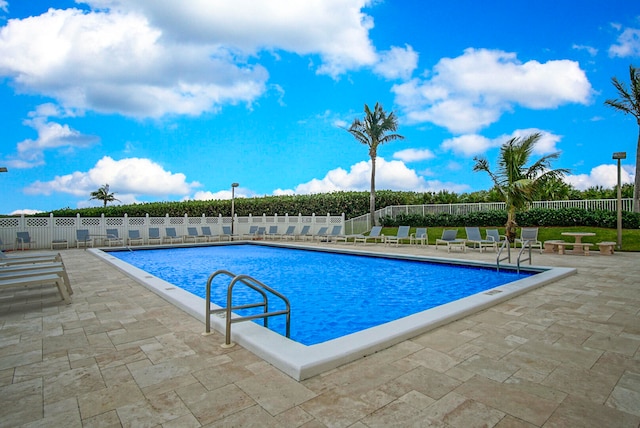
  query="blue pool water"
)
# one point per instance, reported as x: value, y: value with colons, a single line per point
x: 331, y: 294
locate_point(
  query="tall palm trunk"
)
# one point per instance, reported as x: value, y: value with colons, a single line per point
x: 636, y: 184
x: 372, y: 192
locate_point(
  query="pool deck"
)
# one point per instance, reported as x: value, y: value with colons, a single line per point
x: 563, y: 355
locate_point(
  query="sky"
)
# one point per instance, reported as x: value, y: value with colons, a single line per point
x: 175, y: 100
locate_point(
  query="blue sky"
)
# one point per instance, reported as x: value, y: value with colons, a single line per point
x: 167, y: 101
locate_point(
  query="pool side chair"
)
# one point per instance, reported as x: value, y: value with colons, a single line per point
x: 206, y: 232
x: 39, y: 280
x: 31, y: 259
x: 83, y: 238
x: 494, y: 235
x: 403, y: 233
x: 320, y: 234
x: 336, y: 234
x: 113, y: 238
x: 261, y: 233
x: 450, y: 239
x: 22, y: 239
x: 251, y: 234
x: 171, y: 236
x: 474, y: 238
x: 419, y: 237
x: 272, y: 233
x: 529, y: 238
x: 375, y: 234
x: 226, y: 233
x: 290, y: 233
x: 135, y: 237
x: 305, y: 233
x: 154, y: 236
x: 192, y: 234
x: 31, y: 270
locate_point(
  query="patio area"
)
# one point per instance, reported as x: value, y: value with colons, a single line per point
x: 564, y: 355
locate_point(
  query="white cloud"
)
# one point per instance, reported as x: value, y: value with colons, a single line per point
x: 393, y: 175
x: 628, y: 43
x: 414, y: 155
x: 589, y: 49
x: 4, y: 5
x: 222, y: 194
x: 51, y: 135
x: 472, y: 91
x: 473, y: 144
x: 397, y: 63
x: 602, y: 175
x: 128, y: 178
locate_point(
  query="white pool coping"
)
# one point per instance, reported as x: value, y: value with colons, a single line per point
x: 301, y: 361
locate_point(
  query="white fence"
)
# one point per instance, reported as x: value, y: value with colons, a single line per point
x: 363, y: 223
x: 45, y: 230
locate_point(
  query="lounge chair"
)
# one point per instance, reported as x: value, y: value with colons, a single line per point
x: 22, y: 239
x: 494, y: 234
x: 449, y: 238
x: 272, y: 233
x: 113, y: 238
x: 154, y: 235
x: 403, y: 233
x: 420, y: 236
x: 320, y: 234
x: 192, y: 234
x: 336, y: 234
x: 83, y: 238
x: 226, y: 232
x: 135, y: 238
x: 251, y: 234
x: 290, y: 233
x: 475, y: 239
x: 261, y: 233
x: 374, y: 234
x: 44, y: 279
x: 37, y: 269
x: 304, y: 233
x: 529, y: 238
x: 171, y: 236
x: 206, y: 232
x: 12, y: 260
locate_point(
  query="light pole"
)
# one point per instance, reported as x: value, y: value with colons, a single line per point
x: 233, y: 208
x: 619, y: 156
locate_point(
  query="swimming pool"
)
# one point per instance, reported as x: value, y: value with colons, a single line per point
x: 302, y: 361
x: 331, y: 294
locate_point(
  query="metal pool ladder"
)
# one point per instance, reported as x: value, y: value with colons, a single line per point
x: 255, y: 285
x: 507, y: 244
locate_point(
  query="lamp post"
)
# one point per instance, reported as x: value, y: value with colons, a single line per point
x: 619, y: 156
x: 233, y: 200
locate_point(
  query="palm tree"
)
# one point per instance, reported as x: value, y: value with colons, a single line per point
x: 517, y: 183
x: 629, y: 103
x: 103, y: 195
x: 376, y: 128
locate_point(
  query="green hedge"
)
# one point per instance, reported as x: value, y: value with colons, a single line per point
x: 534, y: 217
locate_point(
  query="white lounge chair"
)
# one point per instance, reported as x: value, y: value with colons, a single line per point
x: 420, y: 236
x: 206, y: 232
x: 22, y: 239
x: 113, y: 238
x: 449, y: 238
x: 45, y: 279
x: 290, y: 233
x: 475, y: 239
x: 529, y: 237
x: 37, y: 269
x: 154, y: 235
x: 83, y: 238
x: 134, y: 237
x: 320, y: 234
x: 171, y: 236
x: 304, y: 233
x: 403, y: 233
x: 374, y: 234
x: 251, y: 234
x: 272, y: 233
x: 192, y: 234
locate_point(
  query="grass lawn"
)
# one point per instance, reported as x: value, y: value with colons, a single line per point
x: 630, y: 237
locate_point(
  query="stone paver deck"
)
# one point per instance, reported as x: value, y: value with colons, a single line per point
x: 564, y: 355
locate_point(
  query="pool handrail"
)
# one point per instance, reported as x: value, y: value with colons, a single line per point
x: 255, y: 285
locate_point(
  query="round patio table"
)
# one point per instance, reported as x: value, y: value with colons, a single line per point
x: 578, y: 236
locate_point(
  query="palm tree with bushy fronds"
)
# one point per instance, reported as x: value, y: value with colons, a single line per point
x: 629, y: 103
x: 517, y: 183
x: 102, y: 194
x: 375, y: 129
